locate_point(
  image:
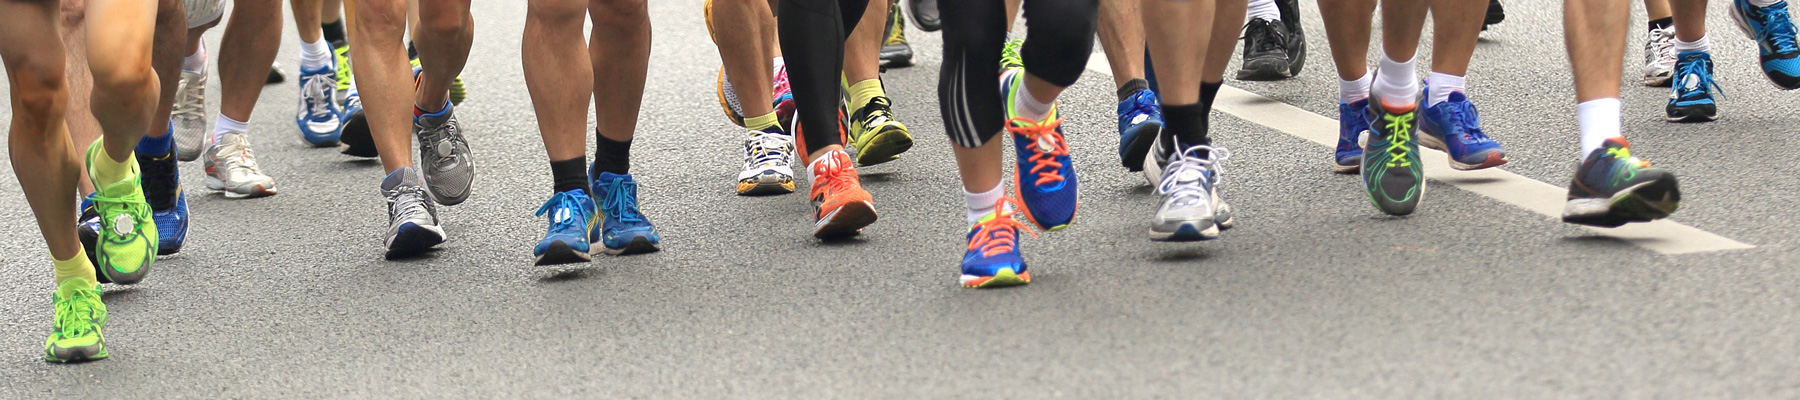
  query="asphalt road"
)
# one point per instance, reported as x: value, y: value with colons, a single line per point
x: 1315, y: 295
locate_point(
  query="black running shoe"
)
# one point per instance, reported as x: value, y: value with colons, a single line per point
x: 1296, y: 46
x: 925, y: 14
x: 895, y: 53
x: 275, y: 75
x: 1612, y: 188
x: 1265, y: 51
x: 1495, y: 14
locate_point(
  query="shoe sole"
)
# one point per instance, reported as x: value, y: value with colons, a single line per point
x: 1006, y: 277
x: 770, y: 184
x: 1693, y: 114
x: 234, y: 193
x: 1660, y: 80
x: 414, y: 239
x: 96, y: 352
x: 1634, y: 204
x: 1139, y: 147
x: 1493, y: 159
x: 1188, y: 232
x: 561, y: 253
x: 847, y: 220
x: 1265, y: 70
x: 356, y: 140
x: 638, y: 245
x: 885, y: 145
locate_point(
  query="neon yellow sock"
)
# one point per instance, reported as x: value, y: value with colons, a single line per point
x: 106, y: 171
x: 862, y: 92
x: 76, y: 267
x: 763, y: 122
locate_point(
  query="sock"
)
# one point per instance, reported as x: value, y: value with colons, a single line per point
x: 1351, y: 91
x: 1183, y: 126
x: 421, y: 111
x: 1763, y: 3
x: 411, y: 52
x: 862, y: 92
x: 1028, y: 105
x: 1208, y: 93
x: 76, y: 267
x: 195, y: 62
x: 1264, y: 9
x: 1396, y: 82
x: 1703, y: 45
x: 225, y: 125
x: 982, y: 204
x: 334, y: 31
x: 1599, y: 121
x: 762, y: 123
x: 1662, y: 23
x: 156, y: 146
x: 315, y: 55
x: 778, y: 63
x: 107, y: 171
x: 611, y: 156
x: 1441, y: 86
x: 1131, y: 87
x: 570, y: 174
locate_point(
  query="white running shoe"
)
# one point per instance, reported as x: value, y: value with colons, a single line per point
x: 768, y: 164
x: 1191, y: 208
x: 1659, y: 56
x: 188, y: 117
x: 230, y: 167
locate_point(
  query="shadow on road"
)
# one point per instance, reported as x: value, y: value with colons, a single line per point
x: 566, y: 275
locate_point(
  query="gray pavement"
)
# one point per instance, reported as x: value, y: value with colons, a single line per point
x: 1315, y: 295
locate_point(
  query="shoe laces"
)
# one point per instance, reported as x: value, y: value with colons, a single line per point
x: 1264, y: 35
x: 1661, y: 44
x: 781, y: 82
x: 621, y: 200
x: 1181, y: 180
x: 999, y: 232
x: 877, y: 112
x: 316, y: 90
x: 1463, y: 114
x: 1009, y: 55
x: 1698, y: 67
x: 238, y: 157
x: 77, y: 313
x: 569, y: 213
x: 1399, y: 129
x: 1143, y: 103
x: 836, y: 173
x: 768, y: 149
x: 190, y: 103
x: 1048, y: 146
x: 407, y: 202
x: 446, y: 142
x: 1778, y: 30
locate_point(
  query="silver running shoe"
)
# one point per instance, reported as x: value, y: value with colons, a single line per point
x: 1659, y: 56
x: 444, y: 157
x: 1191, y: 208
x: 188, y: 116
x: 412, y: 220
x: 768, y: 164
x: 230, y: 167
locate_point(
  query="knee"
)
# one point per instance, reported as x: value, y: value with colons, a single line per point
x: 39, y: 91
x: 560, y: 13
x: 124, y: 73
x: 621, y: 12
x: 74, y: 13
x: 382, y: 19
x: 445, y: 24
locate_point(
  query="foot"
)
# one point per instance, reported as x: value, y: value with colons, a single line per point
x: 768, y: 163
x: 875, y: 135
x: 1296, y: 46
x: 1191, y: 209
x: 341, y: 53
x: 895, y: 53
x: 624, y: 230
x: 1612, y: 188
x: 318, y: 117
x: 80, y: 317
x: 127, y: 244
x: 412, y: 219
x: 1045, y: 175
x: 1454, y: 127
x: 444, y: 156
x: 1691, y: 98
x: 188, y: 116
x: 840, y: 205
x: 1774, y: 36
x: 1659, y: 56
x: 1391, y: 171
x: 1495, y: 14
x: 87, y: 229
x: 572, y: 219
x: 992, y: 258
x: 232, y: 168
x: 925, y: 14
x: 355, y: 139
x: 1265, y: 51
x: 1140, y: 121
x: 275, y: 75
x: 1353, y: 122
x: 168, y: 205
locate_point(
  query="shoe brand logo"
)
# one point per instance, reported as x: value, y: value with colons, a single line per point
x: 123, y: 224
x: 1139, y: 119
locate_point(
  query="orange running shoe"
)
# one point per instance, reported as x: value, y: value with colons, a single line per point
x: 840, y: 205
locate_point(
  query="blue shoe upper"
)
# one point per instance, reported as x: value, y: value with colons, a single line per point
x: 1352, y: 122
x: 572, y: 219
x: 1774, y: 34
x: 319, y: 117
x: 161, y: 179
x: 993, y: 245
x: 1045, y: 173
x: 1456, y: 123
x: 1140, y: 111
x: 1693, y: 82
x: 617, y: 195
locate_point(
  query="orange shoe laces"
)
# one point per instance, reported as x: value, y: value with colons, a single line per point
x: 837, y: 173
x: 1043, y: 161
x: 999, y: 232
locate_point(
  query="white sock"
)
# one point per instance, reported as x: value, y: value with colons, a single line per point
x: 1702, y: 45
x: 1441, y: 86
x: 982, y: 204
x: 1396, y: 82
x: 226, y: 125
x: 1763, y: 3
x: 315, y: 55
x: 195, y: 62
x: 1029, y: 106
x: 779, y: 62
x: 1351, y: 91
x: 1599, y: 121
x: 1264, y: 9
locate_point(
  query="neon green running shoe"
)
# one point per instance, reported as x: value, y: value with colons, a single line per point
x: 1009, y: 55
x: 875, y: 135
x: 75, y: 336
x: 127, y: 243
x: 457, y: 91
x: 342, y: 54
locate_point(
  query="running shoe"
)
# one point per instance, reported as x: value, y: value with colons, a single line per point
x: 1612, y: 188
x: 1010, y: 58
x: 80, y: 317
x: 232, y: 168
x: 1691, y: 98
x: 728, y: 99
x: 341, y: 53
x: 1191, y: 209
x: 1296, y: 46
x: 1495, y: 14
x: 1352, y: 124
x: 412, y: 219
x: 127, y: 244
x: 318, y: 113
x: 1659, y: 56
x: 1265, y: 51
x: 624, y: 229
x: 992, y: 258
x: 275, y: 75
x: 768, y: 163
x: 162, y: 189
x: 444, y: 156
x: 188, y: 116
x: 1454, y: 127
x: 87, y: 229
x: 875, y: 135
x: 784, y: 100
x: 925, y: 14
x: 458, y: 92
x: 1140, y: 121
x: 355, y: 139
x: 1774, y: 36
x: 1391, y: 171
x: 840, y: 205
x: 572, y: 219
x: 1045, y: 175
x: 895, y: 53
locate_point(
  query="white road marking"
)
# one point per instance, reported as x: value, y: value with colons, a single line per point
x: 1662, y: 236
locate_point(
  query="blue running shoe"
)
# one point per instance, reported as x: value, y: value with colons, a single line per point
x: 1140, y: 120
x: 624, y: 230
x: 1691, y: 96
x: 1045, y: 176
x: 1612, y: 188
x: 572, y: 220
x: 1352, y: 123
x: 1774, y: 35
x: 319, y: 116
x: 162, y: 189
x: 1454, y: 127
x: 992, y: 259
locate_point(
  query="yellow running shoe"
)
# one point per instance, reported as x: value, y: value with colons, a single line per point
x: 127, y: 243
x: 79, y: 318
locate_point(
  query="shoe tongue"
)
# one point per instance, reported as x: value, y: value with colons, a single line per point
x: 403, y: 176
x: 1458, y: 96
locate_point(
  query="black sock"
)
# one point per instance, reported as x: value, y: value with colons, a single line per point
x: 1183, y: 126
x: 334, y: 32
x: 611, y: 156
x: 1662, y: 23
x: 1131, y: 87
x: 411, y: 52
x: 570, y: 174
x: 1208, y: 92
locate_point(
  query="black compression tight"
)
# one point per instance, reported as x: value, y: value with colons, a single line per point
x: 812, y: 41
x: 974, y: 33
